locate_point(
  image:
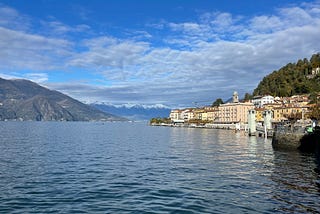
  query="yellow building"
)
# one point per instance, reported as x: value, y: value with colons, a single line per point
x: 283, y: 113
x: 204, y: 116
x: 271, y: 106
x: 212, y: 114
x: 259, y: 114
x: 198, y: 113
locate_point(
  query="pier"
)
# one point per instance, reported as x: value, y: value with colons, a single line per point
x: 254, y: 129
x: 296, y: 138
x: 286, y: 137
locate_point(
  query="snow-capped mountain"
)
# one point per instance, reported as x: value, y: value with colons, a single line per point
x: 134, y: 111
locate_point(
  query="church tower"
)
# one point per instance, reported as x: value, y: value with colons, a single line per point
x: 235, y: 97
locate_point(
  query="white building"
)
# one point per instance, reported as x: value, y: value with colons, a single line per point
x: 187, y: 114
x: 181, y: 115
x: 175, y: 114
x: 316, y: 71
x: 259, y: 101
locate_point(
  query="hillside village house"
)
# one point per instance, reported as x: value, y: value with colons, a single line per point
x: 315, y: 71
x: 282, y: 113
x: 260, y: 101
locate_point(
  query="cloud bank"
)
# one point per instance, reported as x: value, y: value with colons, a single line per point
x: 195, y: 61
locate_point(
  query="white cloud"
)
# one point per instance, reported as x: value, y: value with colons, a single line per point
x: 187, y: 27
x: 111, y: 57
x: 296, y: 16
x: 12, y: 19
x: 21, y: 50
x: 198, y: 60
x: 10, y: 76
x: 266, y: 24
x: 37, y: 77
x: 214, y: 68
x: 222, y: 21
x: 58, y: 28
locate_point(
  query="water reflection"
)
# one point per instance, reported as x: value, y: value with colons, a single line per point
x: 246, y: 167
x: 134, y: 168
x: 295, y: 182
x: 221, y: 165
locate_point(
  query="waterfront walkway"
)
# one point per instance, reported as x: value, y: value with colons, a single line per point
x: 288, y: 137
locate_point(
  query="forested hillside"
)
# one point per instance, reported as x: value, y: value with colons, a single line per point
x: 292, y: 79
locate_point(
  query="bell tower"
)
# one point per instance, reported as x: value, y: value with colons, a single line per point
x: 235, y: 97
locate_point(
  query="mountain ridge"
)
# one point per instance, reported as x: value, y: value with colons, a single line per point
x: 22, y: 99
x: 134, y: 111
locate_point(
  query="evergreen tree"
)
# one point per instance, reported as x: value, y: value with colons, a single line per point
x: 291, y: 79
x: 218, y: 102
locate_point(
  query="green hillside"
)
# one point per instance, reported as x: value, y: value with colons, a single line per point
x: 292, y: 79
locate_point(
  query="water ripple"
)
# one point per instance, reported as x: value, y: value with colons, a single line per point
x: 134, y: 168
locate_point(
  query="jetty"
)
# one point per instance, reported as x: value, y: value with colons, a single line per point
x: 287, y: 137
x: 260, y: 130
x: 297, y: 138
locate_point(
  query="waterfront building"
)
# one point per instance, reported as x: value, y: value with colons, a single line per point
x: 175, y: 114
x: 204, y: 116
x: 212, y: 114
x: 198, y: 113
x: 187, y: 114
x: 234, y: 112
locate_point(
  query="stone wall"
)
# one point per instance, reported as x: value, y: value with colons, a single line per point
x: 285, y: 140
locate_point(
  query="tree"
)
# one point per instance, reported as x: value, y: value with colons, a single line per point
x: 247, y: 97
x: 218, y: 102
x: 291, y: 79
x: 315, y: 60
x: 159, y: 120
x: 315, y: 112
x: 313, y: 97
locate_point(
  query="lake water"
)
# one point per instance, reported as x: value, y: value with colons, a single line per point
x: 82, y: 167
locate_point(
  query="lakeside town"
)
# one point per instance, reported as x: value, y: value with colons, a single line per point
x: 235, y: 114
x: 290, y: 117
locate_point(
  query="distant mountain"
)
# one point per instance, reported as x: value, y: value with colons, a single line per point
x: 26, y: 100
x: 134, y: 112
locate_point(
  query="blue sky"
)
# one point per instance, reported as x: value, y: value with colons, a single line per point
x: 171, y: 53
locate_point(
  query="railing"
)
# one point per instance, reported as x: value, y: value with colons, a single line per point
x: 290, y: 129
x: 261, y: 131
